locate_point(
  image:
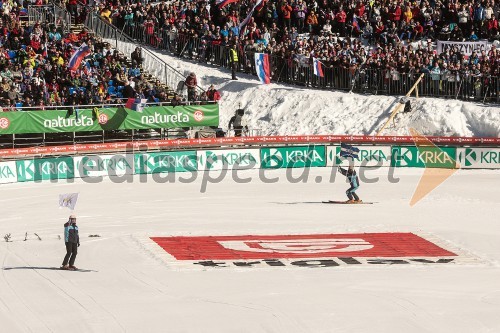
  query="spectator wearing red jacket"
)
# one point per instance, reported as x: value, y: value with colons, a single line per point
x: 340, y: 19
x: 286, y: 10
x: 492, y: 26
x: 213, y: 94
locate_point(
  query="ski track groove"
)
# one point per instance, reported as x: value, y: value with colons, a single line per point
x: 65, y: 293
x: 18, y: 296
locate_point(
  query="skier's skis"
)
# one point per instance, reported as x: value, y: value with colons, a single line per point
x: 347, y: 203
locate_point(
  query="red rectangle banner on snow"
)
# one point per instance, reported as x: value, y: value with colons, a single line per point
x: 369, y: 245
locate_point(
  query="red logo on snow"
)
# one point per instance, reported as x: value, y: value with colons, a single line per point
x: 368, y: 245
x: 103, y: 119
x: 4, y: 123
x: 198, y: 115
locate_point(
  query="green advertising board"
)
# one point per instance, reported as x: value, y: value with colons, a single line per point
x: 293, y: 157
x: 178, y: 161
x: 8, y: 172
x: 45, y: 169
x: 479, y: 158
x: 59, y: 121
x: 104, y: 165
x: 423, y: 157
x: 368, y: 156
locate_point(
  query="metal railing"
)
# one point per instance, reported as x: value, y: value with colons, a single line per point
x: 50, y: 14
x: 102, y: 105
x: 453, y: 85
x: 150, y: 62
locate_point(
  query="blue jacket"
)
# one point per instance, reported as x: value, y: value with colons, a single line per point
x: 351, y: 176
x: 71, y: 233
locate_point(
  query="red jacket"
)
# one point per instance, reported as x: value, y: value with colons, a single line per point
x: 340, y: 17
x: 492, y: 24
x: 213, y: 95
x: 287, y: 10
x: 396, y: 15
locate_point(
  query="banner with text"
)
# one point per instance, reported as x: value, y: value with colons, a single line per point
x: 103, y: 165
x: 52, y: 121
x: 293, y: 157
x: 45, y: 169
x: 8, y: 172
x: 465, y: 48
x: 479, y: 158
x: 368, y: 156
x: 240, y: 159
x: 172, y: 161
x: 424, y: 157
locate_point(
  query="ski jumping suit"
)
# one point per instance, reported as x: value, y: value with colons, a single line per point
x: 72, y: 241
x: 354, y: 182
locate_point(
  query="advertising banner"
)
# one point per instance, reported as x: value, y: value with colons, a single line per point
x: 52, y: 121
x: 465, y: 48
x: 293, y: 157
x: 8, y: 172
x: 45, y: 169
x: 228, y: 159
x: 368, y: 156
x: 479, y: 158
x: 174, y: 161
x: 423, y: 157
x: 104, y: 165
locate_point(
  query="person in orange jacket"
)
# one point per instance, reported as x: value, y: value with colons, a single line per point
x: 286, y: 9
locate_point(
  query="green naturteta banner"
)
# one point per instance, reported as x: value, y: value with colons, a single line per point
x: 108, y: 119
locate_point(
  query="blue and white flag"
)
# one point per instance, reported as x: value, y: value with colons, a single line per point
x: 348, y: 151
x: 68, y: 200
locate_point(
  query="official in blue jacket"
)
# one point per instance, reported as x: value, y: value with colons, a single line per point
x: 72, y: 241
x: 351, y: 175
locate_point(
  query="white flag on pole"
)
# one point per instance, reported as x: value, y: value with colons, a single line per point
x: 68, y: 200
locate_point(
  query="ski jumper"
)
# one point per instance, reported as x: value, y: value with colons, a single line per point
x: 353, y: 181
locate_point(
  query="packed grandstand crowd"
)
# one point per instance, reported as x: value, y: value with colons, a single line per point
x: 34, y: 71
x: 395, y: 36
x: 398, y: 36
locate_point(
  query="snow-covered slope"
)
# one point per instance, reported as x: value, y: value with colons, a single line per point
x: 278, y: 109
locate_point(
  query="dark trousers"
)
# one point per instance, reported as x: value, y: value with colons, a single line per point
x: 71, y: 252
x: 351, y: 193
x: 237, y: 130
x: 234, y: 66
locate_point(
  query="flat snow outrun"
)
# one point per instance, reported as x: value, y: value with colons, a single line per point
x: 129, y: 283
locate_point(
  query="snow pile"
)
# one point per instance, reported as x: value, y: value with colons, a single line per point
x: 278, y: 109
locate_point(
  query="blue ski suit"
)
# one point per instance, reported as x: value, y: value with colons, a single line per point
x: 353, y: 181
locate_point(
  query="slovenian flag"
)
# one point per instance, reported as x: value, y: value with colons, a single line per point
x: 355, y: 23
x: 318, y: 68
x: 348, y: 151
x: 262, y: 67
x: 78, y: 56
x: 136, y: 104
x: 224, y: 3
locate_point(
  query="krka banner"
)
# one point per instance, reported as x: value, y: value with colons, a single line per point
x: 59, y: 121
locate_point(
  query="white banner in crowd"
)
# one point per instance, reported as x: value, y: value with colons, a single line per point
x: 465, y: 48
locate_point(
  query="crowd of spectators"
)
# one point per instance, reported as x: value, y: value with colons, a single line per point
x: 34, y: 71
x: 397, y: 36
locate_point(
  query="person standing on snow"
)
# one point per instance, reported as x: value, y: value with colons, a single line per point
x: 236, y: 122
x: 72, y: 241
x: 351, y: 175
